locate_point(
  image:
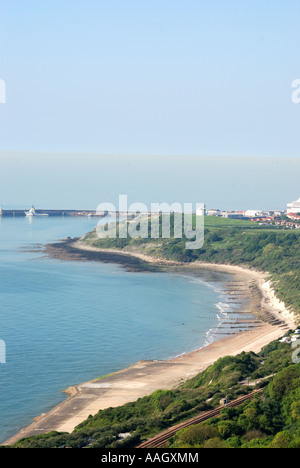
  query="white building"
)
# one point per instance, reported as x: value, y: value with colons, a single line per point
x: 200, y: 210
x: 214, y: 212
x: 253, y: 213
x: 294, y: 207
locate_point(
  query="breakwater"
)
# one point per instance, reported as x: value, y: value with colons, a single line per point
x: 52, y: 213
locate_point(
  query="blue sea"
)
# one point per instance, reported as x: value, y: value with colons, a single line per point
x: 64, y: 323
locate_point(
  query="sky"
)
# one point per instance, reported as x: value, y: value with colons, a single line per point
x: 63, y: 181
x: 186, y: 78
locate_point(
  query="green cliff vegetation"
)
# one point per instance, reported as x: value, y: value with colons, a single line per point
x: 270, y: 420
x: 236, y: 242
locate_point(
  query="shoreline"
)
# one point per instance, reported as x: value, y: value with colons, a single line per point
x: 144, y: 377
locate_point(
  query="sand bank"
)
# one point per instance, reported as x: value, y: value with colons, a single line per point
x: 138, y: 380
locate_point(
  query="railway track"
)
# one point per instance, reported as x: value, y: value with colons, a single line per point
x: 161, y: 439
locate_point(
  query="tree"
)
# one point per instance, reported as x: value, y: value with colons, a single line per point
x: 281, y: 440
x: 197, y: 434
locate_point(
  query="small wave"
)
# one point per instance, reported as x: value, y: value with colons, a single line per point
x: 209, y: 284
x: 223, y: 308
x: 209, y: 337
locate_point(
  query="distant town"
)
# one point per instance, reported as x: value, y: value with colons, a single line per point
x: 289, y: 218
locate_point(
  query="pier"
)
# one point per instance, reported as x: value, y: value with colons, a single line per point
x: 95, y: 213
x: 52, y: 213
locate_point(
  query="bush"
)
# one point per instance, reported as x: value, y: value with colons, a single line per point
x: 196, y: 435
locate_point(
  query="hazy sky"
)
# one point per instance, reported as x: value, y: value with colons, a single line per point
x: 64, y: 181
x: 149, y: 78
x: 185, y: 77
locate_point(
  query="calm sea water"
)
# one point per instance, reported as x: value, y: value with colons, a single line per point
x: 67, y: 322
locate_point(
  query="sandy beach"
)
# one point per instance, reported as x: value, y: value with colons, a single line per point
x: 272, y: 320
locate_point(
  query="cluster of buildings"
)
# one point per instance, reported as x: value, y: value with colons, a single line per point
x: 291, y: 339
x: 249, y: 214
x: 289, y: 218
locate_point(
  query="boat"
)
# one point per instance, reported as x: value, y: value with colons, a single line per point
x: 32, y: 212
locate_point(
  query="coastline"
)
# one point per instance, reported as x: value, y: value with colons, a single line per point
x: 270, y: 301
x: 142, y: 378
